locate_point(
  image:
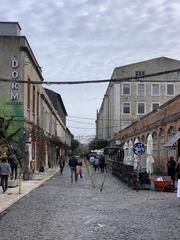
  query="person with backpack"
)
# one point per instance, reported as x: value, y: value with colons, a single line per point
x: 72, y: 165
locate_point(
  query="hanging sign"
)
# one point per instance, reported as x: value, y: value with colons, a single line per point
x: 139, y: 148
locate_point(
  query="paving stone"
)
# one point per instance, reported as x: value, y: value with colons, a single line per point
x: 61, y: 210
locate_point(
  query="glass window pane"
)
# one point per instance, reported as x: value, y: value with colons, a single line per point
x: 140, y: 89
x: 126, y: 107
x: 141, y: 109
x: 170, y: 89
x: 126, y: 89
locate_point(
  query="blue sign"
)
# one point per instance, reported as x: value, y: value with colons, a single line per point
x: 139, y: 148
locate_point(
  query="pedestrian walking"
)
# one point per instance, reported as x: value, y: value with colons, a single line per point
x: 96, y: 163
x: 12, y: 160
x: 171, y: 166
x: 72, y: 165
x: 61, y: 163
x: 5, y: 171
x: 102, y: 163
x: 79, y: 167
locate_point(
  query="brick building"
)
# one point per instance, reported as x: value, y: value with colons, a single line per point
x: 164, y: 125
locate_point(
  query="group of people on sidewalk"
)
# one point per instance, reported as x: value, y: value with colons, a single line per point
x: 8, y: 168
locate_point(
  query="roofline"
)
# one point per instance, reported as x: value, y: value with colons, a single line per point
x: 30, y: 53
x: 60, y: 98
x: 148, y: 60
x: 11, y: 23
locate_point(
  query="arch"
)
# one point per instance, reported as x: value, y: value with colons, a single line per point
x: 171, y: 132
x: 155, y: 143
x: 161, y: 143
x: 143, y: 138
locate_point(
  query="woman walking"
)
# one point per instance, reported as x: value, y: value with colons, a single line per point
x: 79, y: 167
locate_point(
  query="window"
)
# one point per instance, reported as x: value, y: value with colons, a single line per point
x: 141, y: 108
x: 126, y: 108
x: 28, y: 95
x: 125, y: 124
x: 139, y: 73
x: 155, y: 89
x: 34, y: 99
x: 141, y: 89
x: 155, y: 106
x: 126, y: 88
x: 170, y: 89
x: 178, y: 75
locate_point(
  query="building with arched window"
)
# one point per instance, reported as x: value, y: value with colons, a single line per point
x: 164, y: 125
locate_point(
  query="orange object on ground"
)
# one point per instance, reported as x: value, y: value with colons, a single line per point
x: 162, y: 185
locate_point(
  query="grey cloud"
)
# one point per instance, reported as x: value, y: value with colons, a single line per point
x: 86, y: 39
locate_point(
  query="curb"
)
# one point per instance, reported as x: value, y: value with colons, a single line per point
x: 20, y: 196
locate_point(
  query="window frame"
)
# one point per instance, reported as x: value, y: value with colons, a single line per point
x: 144, y: 108
x: 152, y: 89
x: 138, y: 89
x: 129, y: 108
x: 173, y: 89
x: 129, y: 94
x: 152, y: 105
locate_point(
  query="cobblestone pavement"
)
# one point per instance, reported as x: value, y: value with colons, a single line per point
x: 61, y: 210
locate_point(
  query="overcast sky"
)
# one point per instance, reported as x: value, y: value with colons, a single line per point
x: 87, y: 39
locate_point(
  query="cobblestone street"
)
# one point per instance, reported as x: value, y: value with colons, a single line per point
x: 61, y: 210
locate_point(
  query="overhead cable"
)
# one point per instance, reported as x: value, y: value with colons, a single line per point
x: 133, y: 78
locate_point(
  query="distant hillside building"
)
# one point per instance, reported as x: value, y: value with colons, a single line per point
x: 125, y: 102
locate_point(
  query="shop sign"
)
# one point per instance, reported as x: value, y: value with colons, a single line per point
x: 14, y: 84
x: 139, y: 148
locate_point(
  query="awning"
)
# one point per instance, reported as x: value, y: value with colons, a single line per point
x: 173, y: 140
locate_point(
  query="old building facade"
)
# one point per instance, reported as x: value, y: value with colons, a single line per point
x: 41, y: 128
x: 164, y: 126
x: 127, y: 101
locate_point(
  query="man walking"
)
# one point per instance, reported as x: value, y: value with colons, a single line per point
x: 72, y: 165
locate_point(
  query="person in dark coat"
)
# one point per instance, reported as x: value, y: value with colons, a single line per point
x: 72, y: 165
x: 171, y: 166
x: 61, y: 163
x: 12, y: 160
x: 5, y: 171
x: 102, y: 163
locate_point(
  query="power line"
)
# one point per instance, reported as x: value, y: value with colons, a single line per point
x: 79, y: 127
x: 82, y: 117
x: 80, y: 122
x: 133, y: 78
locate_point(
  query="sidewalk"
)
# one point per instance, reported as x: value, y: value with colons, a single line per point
x: 12, y: 195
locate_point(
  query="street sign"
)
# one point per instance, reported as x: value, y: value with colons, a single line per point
x: 139, y: 148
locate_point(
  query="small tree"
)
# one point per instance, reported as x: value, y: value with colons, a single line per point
x: 97, y: 144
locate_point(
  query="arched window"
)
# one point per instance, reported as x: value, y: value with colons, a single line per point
x: 155, y: 145
x: 171, y: 133
x: 143, y: 138
x: 161, y: 143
